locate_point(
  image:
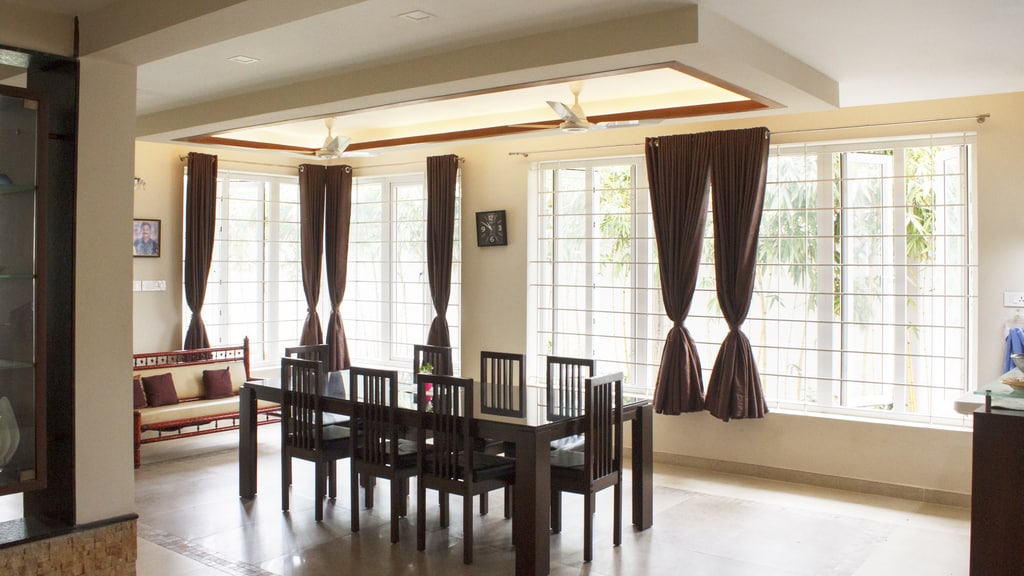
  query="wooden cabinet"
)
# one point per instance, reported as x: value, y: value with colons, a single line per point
x: 22, y: 291
x: 997, y: 493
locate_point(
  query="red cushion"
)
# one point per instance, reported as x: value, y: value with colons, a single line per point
x: 160, y: 389
x: 217, y: 383
x: 139, y: 400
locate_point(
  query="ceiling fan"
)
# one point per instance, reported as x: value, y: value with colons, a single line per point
x: 333, y: 145
x: 332, y: 148
x: 573, y: 118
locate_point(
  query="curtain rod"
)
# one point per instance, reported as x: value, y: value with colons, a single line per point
x: 979, y: 118
x: 183, y: 158
x: 413, y: 163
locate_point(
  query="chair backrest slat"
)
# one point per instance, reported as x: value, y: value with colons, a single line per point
x: 503, y: 383
x: 603, y: 426
x: 565, y: 385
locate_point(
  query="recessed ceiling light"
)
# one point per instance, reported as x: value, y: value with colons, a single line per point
x: 243, y: 59
x: 416, y: 15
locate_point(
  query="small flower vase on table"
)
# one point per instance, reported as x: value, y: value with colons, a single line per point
x: 428, y: 395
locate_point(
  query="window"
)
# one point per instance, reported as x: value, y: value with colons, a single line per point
x: 594, y: 285
x: 864, y: 300
x: 255, y: 283
x: 387, y: 306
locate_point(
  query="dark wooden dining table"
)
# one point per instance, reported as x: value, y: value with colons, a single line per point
x: 531, y: 520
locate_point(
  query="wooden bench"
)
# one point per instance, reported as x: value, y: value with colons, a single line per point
x: 194, y: 413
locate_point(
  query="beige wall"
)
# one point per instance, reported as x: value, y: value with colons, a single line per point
x: 103, y: 312
x: 495, y: 292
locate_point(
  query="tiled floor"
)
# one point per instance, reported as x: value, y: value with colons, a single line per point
x: 192, y: 523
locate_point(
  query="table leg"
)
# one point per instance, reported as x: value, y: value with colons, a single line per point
x: 532, y: 515
x: 643, y: 467
x: 247, y: 443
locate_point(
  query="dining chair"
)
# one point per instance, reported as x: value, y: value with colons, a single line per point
x: 599, y: 466
x: 449, y: 463
x: 439, y: 358
x: 308, y: 352
x: 502, y: 384
x: 565, y: 384
x: 334, y: 381
x: 502, y: 392
x: 303, y: 433
x: 379, y: 448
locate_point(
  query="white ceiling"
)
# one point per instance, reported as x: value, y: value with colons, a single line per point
x: 799, y: 53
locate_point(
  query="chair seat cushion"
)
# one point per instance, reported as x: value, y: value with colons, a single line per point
x: 490, y: 466
x: 566, y: 459
x: 336, y: 433
x: 571, y: 443
x: 485, y: 466
x: 335, y: 419
x: 406, y: 453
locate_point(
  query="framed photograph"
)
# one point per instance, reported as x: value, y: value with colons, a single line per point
x: 491, y: 229
x: 146, y: 238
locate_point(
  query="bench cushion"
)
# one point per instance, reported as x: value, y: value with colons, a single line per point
x: 194, y: 411
x: 160, y: 389
x: 217, y: 383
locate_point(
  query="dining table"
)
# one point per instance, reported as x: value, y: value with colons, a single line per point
x: 531, y: 434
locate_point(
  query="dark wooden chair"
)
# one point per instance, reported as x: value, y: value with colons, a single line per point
x: 502, y: 384
x: 334, y: 382
x: 308, y: 352
x: 599, y: 466
x: 502, y: 392
x: 379, y: 448
x: 303, y: 433
x: 440, y: 357
x: 565, y: 385
x: 449, y: 463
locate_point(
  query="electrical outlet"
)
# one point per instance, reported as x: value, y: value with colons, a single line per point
x: 1013, y: 299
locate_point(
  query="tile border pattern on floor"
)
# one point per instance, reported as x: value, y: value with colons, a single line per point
x: 198, y: 553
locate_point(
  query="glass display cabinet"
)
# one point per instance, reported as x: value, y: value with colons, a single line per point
x: 22, y: 292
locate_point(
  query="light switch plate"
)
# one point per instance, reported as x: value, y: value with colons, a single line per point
x: 1013, y: 299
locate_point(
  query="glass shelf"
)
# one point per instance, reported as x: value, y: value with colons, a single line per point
x: 1000, y: 395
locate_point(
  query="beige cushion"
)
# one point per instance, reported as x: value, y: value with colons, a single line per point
x: 193, y: 410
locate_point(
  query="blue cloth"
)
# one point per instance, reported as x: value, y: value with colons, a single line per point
x: 1014, y: 345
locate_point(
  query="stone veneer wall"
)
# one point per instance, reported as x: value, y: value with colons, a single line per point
x: 108, y: 550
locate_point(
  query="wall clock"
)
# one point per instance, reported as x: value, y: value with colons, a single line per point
x: 491, y: 229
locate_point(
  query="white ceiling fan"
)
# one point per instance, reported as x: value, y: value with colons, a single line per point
x: 574, y: 120
x: 333, y: 145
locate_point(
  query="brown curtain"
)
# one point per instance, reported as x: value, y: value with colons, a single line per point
x: 336, y: 232
x: 678, y: 172
x: 739, y: 162
x: 312, y: 187
x: 200, y: 226
x: 442, y: 173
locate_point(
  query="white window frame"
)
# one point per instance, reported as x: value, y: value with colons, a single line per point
x: 264, y: 331
x: 833, y: 395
